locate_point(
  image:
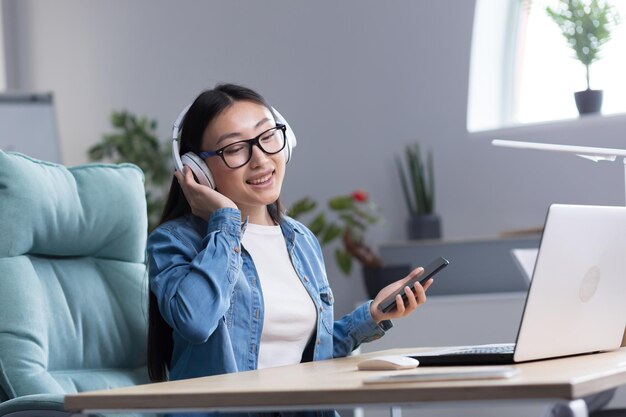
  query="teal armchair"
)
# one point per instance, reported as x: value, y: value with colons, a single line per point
x: 73, y: 284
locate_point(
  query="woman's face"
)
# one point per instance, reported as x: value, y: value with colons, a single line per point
x: 257, y: 183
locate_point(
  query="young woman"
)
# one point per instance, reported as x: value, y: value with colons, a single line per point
x: 235, y: 284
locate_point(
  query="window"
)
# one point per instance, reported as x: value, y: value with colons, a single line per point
x: 536, y: 73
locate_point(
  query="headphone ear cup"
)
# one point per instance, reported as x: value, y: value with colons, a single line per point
x: 290, y: 136
x: 199, y: 168
x: 291, y: 140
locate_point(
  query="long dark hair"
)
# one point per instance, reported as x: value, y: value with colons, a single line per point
x: 206, y: 107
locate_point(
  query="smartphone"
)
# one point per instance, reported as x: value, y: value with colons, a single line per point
x: 430, y: 270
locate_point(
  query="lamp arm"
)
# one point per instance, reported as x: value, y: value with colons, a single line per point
x: 593, y: 154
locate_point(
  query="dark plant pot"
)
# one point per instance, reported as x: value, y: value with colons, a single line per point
x: 377, y: 278
x: 588, y: 101
x: 424, y: 226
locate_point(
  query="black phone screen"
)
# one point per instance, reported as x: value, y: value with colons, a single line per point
x: 430, y: 270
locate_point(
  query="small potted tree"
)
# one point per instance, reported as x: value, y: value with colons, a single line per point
x: 418, y: 186
x: 586, y: 24
x: 135, y: 140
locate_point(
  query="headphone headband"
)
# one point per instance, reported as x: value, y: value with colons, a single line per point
x: 197, y: 165
x: 178, y: 121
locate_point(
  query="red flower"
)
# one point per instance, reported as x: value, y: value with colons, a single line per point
x: 360, y: 196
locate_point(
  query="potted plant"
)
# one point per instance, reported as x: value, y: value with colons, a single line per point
x: 347, y: 221
x: 135, y: 141
x: 586, y: 24
x: 418, y: 187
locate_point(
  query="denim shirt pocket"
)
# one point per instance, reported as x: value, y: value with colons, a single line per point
x: 327, y: 301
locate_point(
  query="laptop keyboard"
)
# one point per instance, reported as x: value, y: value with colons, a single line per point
x: 499, y: 349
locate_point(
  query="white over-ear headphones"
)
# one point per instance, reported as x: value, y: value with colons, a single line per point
x: 197, y: 165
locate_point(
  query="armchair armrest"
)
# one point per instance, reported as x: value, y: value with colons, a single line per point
x: 48, y: 405
x: 39, y: 405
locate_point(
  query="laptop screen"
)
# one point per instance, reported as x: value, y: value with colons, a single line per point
x: 575, y: 300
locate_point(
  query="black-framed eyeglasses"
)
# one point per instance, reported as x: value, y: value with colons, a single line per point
x: 239, y: 153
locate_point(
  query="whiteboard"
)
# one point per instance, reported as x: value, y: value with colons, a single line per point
x: 28, y: 125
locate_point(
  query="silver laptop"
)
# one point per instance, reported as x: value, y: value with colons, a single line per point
x: 575, y: 303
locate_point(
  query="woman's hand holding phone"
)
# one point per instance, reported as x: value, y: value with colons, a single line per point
x: 202, y: 199
x: 415, y: 297
x: 398, y: 299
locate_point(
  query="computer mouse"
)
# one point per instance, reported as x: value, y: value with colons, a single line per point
x: 388, y: 362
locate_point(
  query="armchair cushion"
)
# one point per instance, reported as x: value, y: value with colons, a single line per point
x: 93, y: 210
x: 73, y: 285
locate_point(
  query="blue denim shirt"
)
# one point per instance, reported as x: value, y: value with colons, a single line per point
x: 208, y: 291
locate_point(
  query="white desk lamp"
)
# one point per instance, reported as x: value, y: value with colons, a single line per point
x: 593, y: 154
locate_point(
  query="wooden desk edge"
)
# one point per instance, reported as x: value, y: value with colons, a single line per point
x: 230, y: 392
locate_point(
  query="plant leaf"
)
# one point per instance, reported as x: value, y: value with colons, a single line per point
x: 331, y: 233
x: 304, y: 205
x: 416, y: 176
x: 318, y: 224
x: 405, y: 187
x: 430, y: 192
x: 344, y: 261
x: 341, y: 203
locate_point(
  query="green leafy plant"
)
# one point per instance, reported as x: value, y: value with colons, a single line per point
x: 134, y: 140
x: 348, y: 218
x: 418, y: 180
x: 586, y: 24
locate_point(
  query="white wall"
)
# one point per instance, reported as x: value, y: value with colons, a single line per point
x: 357, y: 79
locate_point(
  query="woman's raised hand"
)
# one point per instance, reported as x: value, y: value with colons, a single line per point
x: 203, y: 200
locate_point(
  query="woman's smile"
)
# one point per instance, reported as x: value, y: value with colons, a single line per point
x: 262, y: 179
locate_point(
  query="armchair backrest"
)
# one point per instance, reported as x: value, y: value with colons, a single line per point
x: 73, y: 285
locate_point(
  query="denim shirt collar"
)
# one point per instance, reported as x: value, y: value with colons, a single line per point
x: 290, y: 228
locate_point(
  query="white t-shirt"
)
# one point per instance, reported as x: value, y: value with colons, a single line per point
x: 290, y: 315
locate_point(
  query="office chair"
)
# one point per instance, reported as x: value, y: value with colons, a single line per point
x: 73, y: 285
